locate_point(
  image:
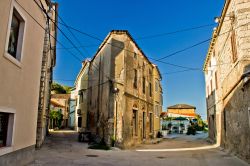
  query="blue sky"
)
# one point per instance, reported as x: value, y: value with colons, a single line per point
x: 144, y: 18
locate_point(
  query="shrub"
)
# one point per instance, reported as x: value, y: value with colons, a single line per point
x: 159, y: 135
x: 191, y: 130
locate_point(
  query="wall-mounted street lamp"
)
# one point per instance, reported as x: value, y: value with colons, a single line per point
x: 231, y: 17
x: 115, y: 90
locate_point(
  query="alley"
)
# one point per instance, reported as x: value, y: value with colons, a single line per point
x: 62, y: 148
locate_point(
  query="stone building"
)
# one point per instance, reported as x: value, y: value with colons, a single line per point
x: 64, y: 101
x: 124, y: 92
x: 181, y: 110
x: 20, y: 70
x: 72, y: 109
x: 81, y: 85
x: 227, y: 79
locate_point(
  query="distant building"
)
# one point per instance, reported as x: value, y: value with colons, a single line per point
x: 227, y: 76
x: 55, y: 106
x: 124, y: 92
x: 181, y: 110
x: 81, y: 85
x: 22, y: 47
x: 61, y: 100
x: 72, y: 109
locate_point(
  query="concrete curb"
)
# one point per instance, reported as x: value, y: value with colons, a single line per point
x: 179, y: 149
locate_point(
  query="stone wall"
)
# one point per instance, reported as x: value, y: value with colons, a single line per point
x: 112, y: 96
x: 231, y: 51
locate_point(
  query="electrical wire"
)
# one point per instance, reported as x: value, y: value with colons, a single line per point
x: 60, y: 43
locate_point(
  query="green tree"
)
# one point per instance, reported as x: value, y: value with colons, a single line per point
x: 56, y: 118
x: 200, y: 125
x: 60, y: 89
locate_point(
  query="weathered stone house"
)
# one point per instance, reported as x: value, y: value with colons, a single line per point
x: 124, y: 92
x: 21, y: 55
x: 81, y: 85
x: 227, y: 79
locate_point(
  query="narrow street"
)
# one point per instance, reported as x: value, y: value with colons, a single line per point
x: 62, y: 148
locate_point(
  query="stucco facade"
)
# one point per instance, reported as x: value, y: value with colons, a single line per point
x: 81, y: 85
x: 48, y: 63
x: 20, y: 70
x: 227, y: 79
x: 181, y: 110
x: 72, y: 108
x: 124, y: 92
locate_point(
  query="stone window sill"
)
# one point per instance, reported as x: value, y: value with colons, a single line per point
x: 13, y: 60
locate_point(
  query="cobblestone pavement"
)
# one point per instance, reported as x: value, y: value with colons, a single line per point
x: 62, y: 149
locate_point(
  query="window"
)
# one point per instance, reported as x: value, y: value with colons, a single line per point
x: 4, y: 119
x: 6, y: 128
x: 90, y: 95
x: 80, y: 97
x: 157, y: 110
x: 144, y: 124
x: 151, y: 122
x: 15, y: 39
x: 216, y: 80
x: 211, y: 84
x: 150, y: 89
x: 233, y: 45
x: 79, y: 121
x: 134, y: 122
x: 150, y: 72
x: 143, y: 84
x: 135, y: 78
x: 156, y: 85
x: 135, y: 55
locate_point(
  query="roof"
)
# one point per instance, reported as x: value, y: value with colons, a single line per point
x: 215, y: 33
x: 56, y: 104
x: 84, y: 65
x: 131, y: 38
x: 163, y: 114
x: 182, y: 114
x: 181, y: 106
x: 60, y: 96
x: 158, y: 70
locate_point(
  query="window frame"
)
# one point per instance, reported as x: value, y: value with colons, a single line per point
x: 135, y: 81
x: 143, y: 85
x: 11, y: 130
x: 234, y: 46
x: 156, y: 85
x: 21, y: 35
x: 135, y: 122
x: 151, y: 122
x: 150, y: 89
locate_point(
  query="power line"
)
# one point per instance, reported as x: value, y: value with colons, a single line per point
x: 158, y: 60
x: 49, y: 34
x: 45, y: 30
x: 96, y: 66
x: 44, y: 11
x: 94, y: 37
x: 80, y: 60
x: 81, y: 46
x: 174, y: 32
